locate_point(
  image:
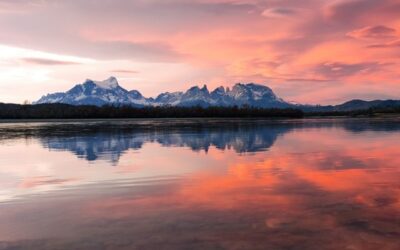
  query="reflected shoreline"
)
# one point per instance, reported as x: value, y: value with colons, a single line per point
x: 110, y: 139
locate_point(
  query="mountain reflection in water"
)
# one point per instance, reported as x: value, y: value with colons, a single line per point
x: 113, y: 145
x: 314, y: 184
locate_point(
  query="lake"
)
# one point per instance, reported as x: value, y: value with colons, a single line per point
x: 200, y: 184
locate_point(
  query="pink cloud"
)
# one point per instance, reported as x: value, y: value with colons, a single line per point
x: 391, y: 44
x: 48, y: 62
x: 278, y: 12
x: 378, y: 31
x: 337, y: 70
x: 212, y: 41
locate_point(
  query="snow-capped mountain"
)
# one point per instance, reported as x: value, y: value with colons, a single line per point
x: 97, y: 93
x: 109, y: 92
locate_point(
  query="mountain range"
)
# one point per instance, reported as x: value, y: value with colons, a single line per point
x: 109, y: 92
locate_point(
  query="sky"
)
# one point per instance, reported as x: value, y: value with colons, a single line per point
x: 309, y: 51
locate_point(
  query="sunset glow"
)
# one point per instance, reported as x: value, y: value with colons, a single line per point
x: 312, y: 51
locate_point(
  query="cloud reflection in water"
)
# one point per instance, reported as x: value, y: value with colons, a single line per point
x: 307, y: 186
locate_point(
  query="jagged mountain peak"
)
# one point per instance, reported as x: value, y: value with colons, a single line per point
x: 220, y: 90
x: 135, y: 94
x: 251, y: 85
x: 253, y: 91
x: 109, y: 83
x: 197, y: 88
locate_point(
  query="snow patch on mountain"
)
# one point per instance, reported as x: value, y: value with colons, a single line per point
x: 109, y: 83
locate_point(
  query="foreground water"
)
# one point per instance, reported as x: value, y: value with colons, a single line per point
x: 200, y: 184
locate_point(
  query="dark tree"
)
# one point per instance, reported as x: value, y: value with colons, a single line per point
x: 64, y: 111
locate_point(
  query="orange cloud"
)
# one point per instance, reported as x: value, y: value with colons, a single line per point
x: 377, y: 32
x: 206, y: 41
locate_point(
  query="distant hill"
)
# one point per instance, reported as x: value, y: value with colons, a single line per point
x: 353, y: 105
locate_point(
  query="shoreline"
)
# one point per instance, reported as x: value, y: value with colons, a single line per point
x: 225, y: 119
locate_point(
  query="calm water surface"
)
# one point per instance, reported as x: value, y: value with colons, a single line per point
x: 200, y: 184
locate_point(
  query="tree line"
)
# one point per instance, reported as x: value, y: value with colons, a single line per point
x: 65, y: 111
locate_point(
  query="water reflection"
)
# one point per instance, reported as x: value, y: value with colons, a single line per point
x: 110, y: 141
x: 252, y: 185
x: 111, y: 146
